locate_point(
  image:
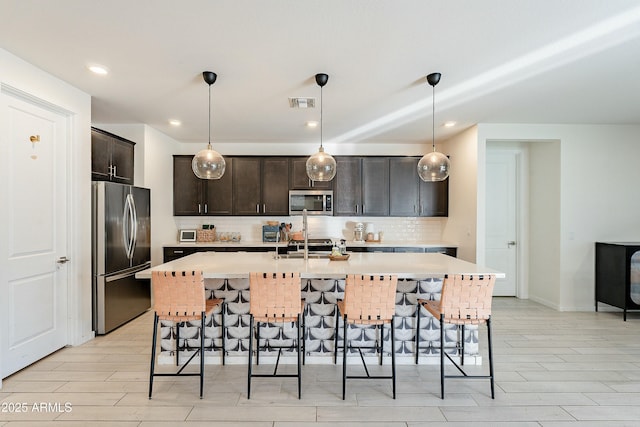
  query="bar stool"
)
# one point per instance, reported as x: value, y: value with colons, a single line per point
x: 368, y: 300
x: 465, y: 300
x: 179, y: 297
x: 274, y: 298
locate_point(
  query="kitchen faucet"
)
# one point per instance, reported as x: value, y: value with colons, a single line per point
x: 305, y: 234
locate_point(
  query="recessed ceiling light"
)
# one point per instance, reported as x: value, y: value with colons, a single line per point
x: 312, y: 124
x: 98, y: 69
x: 174, y: 122
x: 449, y: 124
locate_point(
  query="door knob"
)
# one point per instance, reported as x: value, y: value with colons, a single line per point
x: 63, y: 260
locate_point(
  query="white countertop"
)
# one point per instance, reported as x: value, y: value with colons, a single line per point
x: 228, y: 265
x: 350, y: 243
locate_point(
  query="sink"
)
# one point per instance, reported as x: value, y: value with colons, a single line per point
x: 300, y: 255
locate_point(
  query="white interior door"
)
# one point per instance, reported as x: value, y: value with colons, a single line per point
x: 33, y: 232
x: 501, y: 227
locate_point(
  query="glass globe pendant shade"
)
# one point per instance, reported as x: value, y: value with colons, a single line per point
x: 321, y: 166
x: 208, y: 164
x: 433, y: 167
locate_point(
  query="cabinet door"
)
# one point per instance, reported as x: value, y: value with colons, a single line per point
x: 375, y: 186
x: 246, y: 186
x: 100, y: 156
x: 122, y: 154
x: 187, y: 188
x: 434, y: 198
x: 347, y: 193
x: 218, y: 193
x: 298, y: 178
x: 275, y: 186
x: 404, y: 195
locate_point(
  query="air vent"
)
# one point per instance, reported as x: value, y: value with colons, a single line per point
x: 302, y: 102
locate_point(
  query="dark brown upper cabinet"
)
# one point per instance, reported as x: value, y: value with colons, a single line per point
x: 298, y: 178
x: 261, y: 186
x: 410, y: 196
x: 112, y: 157
x: 361, y: 186
x: 194, y: 196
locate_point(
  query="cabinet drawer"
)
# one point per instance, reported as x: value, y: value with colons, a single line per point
x: 173, y: 253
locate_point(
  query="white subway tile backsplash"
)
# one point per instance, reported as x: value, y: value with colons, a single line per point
x: 407, y: 229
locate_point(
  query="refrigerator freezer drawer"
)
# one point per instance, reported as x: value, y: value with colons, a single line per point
x: 118, y: 299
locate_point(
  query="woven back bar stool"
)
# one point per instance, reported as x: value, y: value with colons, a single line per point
x: 465, y: 300
x: 368, y: 300
x: 179, y: 297
x: 275, y: 298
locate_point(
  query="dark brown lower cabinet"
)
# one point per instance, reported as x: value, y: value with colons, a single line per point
x: 171, y: 253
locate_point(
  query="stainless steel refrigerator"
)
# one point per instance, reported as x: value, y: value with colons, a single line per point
x: 121, y: 236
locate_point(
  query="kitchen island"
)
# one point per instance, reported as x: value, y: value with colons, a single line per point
x: 227, y: 276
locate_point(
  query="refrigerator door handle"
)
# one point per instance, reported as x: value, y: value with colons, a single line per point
x: 134, y: 225
x: 125, y: 227
x: 128, y: 226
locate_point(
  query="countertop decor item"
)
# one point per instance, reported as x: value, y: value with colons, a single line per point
x: 321, y: 166
x: 208, y: 163
x: 433, y: 166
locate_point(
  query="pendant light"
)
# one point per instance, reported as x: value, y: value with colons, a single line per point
x: 321, y: 166
x: 208, y: 163
x: 433, y: 166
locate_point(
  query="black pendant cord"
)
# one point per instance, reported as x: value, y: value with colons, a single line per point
x: 433, y: 118
x: 321, y: 121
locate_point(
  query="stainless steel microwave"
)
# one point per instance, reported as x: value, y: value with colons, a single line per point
x: 316, y: 202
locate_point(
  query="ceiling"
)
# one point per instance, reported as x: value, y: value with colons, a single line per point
x: 502, y: 61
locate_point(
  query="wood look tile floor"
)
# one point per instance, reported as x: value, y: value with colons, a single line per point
x: 552, y: 369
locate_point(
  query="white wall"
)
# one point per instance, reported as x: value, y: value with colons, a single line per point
x: 460, y: 226
x: 158, y: 176
x: 544, y: 222
x: 25, y: 77
x: 598, y: 168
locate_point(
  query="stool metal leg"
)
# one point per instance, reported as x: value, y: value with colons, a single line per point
x: 178, y: 343
x: 202, y: 325
x: 344, y: 357
x: 417, y: 349
x: 490, y: 356
x: 381, y: 343
x: 299, y: 358
x: 223, y: 332
x: 441, y: 356
x: 250, y: 356
x: 462, y: 349
x: 153, y: 352
x: 393, y: 357
x: 304, y: 334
